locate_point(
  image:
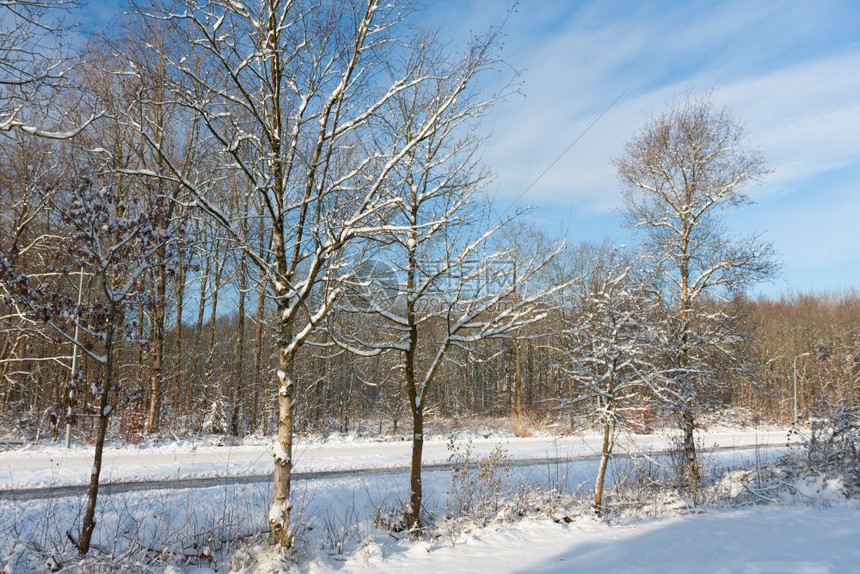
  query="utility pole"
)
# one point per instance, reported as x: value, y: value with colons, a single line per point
x: 71, y: 400
x: 794, y: 364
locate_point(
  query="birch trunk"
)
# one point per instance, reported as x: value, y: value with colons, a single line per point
x: 280, y: 511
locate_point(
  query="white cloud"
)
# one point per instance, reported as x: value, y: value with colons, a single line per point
x: 804, y: 116
x: 788, y: 71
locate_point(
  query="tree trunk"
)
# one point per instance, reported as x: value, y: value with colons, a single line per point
x: 606, y: 454
x: 688, y: 424
x: 138, y: 412
x: 4, y: 354
x: 531, y: 370
x: 687, y: 420
x: 416, y: 407
x: 279, y: 512
x: 413, y: 392
x: 256, y: 414
x: 210, y: 351
x: 157, y: 346
x: 89, y: 522
x: 196, y: 377
x: 177, y: 349
x: 518, y: 379
x: 413, y: 518
x: 238, y: 372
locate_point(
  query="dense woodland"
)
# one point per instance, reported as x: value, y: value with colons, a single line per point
x: 234, y: 220
x: 205, y: 370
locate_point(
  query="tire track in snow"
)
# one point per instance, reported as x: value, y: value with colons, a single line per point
x: 108, y: 488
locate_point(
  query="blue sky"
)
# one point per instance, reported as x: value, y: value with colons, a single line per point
x: 789, y: 70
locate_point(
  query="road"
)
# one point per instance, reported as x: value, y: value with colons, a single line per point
x: 54, y: 471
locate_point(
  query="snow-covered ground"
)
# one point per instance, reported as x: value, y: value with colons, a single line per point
x: 759, y: 540
x: 815, y: 531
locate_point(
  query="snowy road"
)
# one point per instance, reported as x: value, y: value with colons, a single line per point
x: 55, y: 466
x: 117, y: 487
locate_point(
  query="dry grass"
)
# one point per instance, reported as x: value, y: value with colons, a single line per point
x: 525, y: 426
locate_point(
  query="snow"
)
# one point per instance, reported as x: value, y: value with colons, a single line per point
x: 814, y: 530
x: 282, y: 457
x: 759, y: 540
x: 276, y: 513
x: 57, y: 466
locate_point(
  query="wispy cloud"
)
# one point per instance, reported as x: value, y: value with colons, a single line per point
x: 804, y: 116
x: 788, y: 71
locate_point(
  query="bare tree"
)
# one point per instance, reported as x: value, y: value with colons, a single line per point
x: 107, y: 233
x: 35, y: 69
x: 116, y: 229
x: 680, y: 173
x: 289, y: 93
x: 121, y: 96
x: 435, y: 282
x: 443, y: 289
x: 28, y: 55
x: 613, y: 350
x: 522, y: 241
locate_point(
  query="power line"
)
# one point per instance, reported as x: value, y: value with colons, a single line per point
x: 568, y: 148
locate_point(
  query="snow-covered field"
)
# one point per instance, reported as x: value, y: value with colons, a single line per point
x: 815, y: 531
